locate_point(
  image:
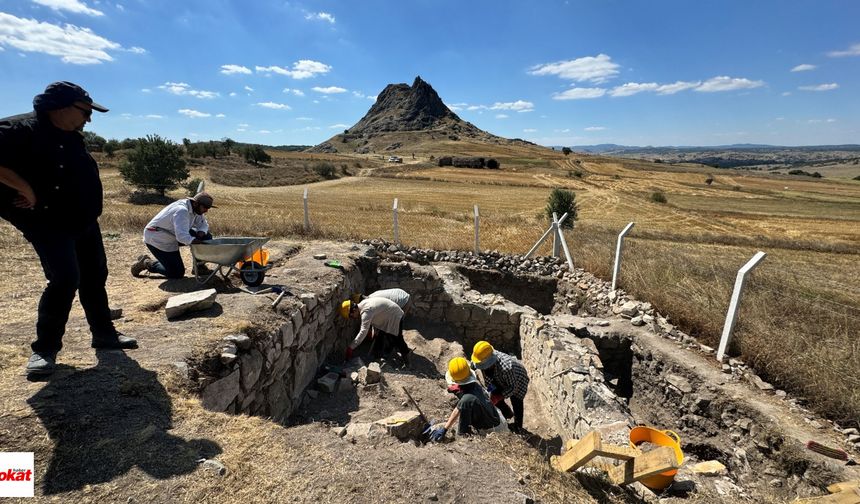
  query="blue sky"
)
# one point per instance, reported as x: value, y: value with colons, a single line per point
x: 563, y: 72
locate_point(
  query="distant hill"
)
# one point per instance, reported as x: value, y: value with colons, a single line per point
x: 405, y: 117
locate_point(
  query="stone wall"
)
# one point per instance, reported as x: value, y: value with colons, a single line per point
x: 272, y: 369
x: 567, y: 373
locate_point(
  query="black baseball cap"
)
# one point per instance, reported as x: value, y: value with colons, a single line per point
x: 63, y: 94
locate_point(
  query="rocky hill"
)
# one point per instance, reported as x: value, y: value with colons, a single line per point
x: 405, y: 117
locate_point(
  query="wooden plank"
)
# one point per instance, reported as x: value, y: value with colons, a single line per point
x: 849, y: 496
x: 648, y: 464
x: 579, y: 454
x: 844, y: 485
x: 618, y: 452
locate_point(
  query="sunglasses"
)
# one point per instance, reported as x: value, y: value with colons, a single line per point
x: 87, y: 112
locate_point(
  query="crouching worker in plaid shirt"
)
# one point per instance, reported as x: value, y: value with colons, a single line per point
x: 506, y: 378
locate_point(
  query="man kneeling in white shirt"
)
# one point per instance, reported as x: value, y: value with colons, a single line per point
x: 182, y: 222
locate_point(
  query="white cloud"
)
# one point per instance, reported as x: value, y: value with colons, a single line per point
x: 70, y: 5
x: 137, y: 50
x: 632, y: 88
x: 249, y: 89
x: 501, y: 116
x: 371, y: 98
x: 854, y: 50
x: 338, y: 126
x: 120, y: 8
x: 320, y: 16
x: 234, y: 69
x: 145, y: 90
x: 328, y: 90
x: 154, y: 116
x: 75, y: 45
x: 803, y: 68
x: 302, y: 69
x: 456, y: 107
x: 183, y: 89
x: 193, y: 113
x: 220, y: 115
x: 820, y: 87
x: 304, y: 118
x: 579, y: 94
x: 233, y: 93
x: 677, y: 86
x: 244, y: 125
x: 519, y: 106
x: 565, y: 130
x: 595, y: 128
x: 786, y: 93
x: 264, y: 132
x: 274, y: 106
x: 297, y: 92
x: 596, y: 69
x: 529, y: 130
x: 725, y: 83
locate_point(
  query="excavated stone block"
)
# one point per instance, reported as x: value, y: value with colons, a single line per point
x: 403, y: 424
x: 190, y: 302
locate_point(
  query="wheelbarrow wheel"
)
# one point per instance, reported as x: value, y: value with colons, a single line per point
x: 250, y: 277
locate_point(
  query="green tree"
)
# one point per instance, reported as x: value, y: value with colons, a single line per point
x: 229, y: 144
x: 154, y: 164
x: 566, y: 150
x: 562, y: 201
x: 94, y: 142
x: 111, y: 146
x: 255, y: 155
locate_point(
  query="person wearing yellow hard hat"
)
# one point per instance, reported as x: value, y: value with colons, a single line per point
x: 381, y: 314
x: 506, y: 378
x: 474, y: 413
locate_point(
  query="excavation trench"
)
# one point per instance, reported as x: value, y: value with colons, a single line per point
x: 587, y: 373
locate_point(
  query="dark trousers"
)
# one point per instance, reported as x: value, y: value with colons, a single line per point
x: 71, y: 263
x: 168, y: 264
x: 387, y: 341
x: 516, y: 414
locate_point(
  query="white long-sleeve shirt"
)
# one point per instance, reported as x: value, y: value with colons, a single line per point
x: 172, y: 225
x: 379, y: 312
x: 399, y: 296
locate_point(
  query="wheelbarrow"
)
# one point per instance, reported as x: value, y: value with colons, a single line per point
x: 242, y: 254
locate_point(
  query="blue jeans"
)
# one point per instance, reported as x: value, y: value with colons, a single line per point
x: 168, y: 264
x: 72, y: 263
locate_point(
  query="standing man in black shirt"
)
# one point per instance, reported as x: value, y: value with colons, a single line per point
x: 50, y: 190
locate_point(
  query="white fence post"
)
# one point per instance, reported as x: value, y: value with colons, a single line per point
x: 618, y: 247
x: 732, y: 315
x: 307, y: 216
x: 477, y: 232
x: 564, y: 242
x: 555, y: 243
x: 396, y: 228
x: 201, y: 186
x: 543, y: 238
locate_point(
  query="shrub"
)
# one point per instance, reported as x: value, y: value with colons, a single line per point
x: 94, y: 142
x: 562, y: 201
x: 709, y: 180
x: 191, y: 186
x: 566, y: 150
x: 154, y: 163
x: 446, y: 161
x: 111, y: 146
x: 492, y: 164
x: 325, y: 170
x: 856, y: 178
x: 255, y: 155
x: 658, y: 197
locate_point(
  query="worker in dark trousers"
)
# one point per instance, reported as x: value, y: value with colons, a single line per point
x: 474, y: 414
x: 50, y: 190
x: 505, y: 377
x: 381, y: 314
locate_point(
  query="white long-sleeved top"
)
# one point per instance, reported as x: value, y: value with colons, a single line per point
x: 172, y: 225
x: 379, y: 312
x: 399, y: 296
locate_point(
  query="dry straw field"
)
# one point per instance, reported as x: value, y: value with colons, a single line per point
x: 800, y: 320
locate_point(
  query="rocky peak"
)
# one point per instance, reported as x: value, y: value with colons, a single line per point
x: 400, y: 107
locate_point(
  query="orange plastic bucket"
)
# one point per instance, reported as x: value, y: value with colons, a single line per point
x: 260, y: 257
x: 639, y: 435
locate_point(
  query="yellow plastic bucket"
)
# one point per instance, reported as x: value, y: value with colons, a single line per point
x: 639, y: 435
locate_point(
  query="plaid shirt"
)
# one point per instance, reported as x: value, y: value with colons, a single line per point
x: 510, y: 377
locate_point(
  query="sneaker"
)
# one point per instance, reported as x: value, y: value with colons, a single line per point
x: 41, y: 364
x: 118, y: 342
x: 142, y: 264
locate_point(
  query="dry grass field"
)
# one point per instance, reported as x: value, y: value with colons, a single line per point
x: 801, y: 313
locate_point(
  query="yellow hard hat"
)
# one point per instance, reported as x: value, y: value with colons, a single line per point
x: 482, y: 355
x: 459, y: 371
x: 344, y: 308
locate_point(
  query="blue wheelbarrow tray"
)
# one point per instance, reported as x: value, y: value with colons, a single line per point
x: 226, y: 252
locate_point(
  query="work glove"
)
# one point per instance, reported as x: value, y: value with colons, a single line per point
x: 348, y: 354
x: 496, y: 398
x: 438, y: 434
